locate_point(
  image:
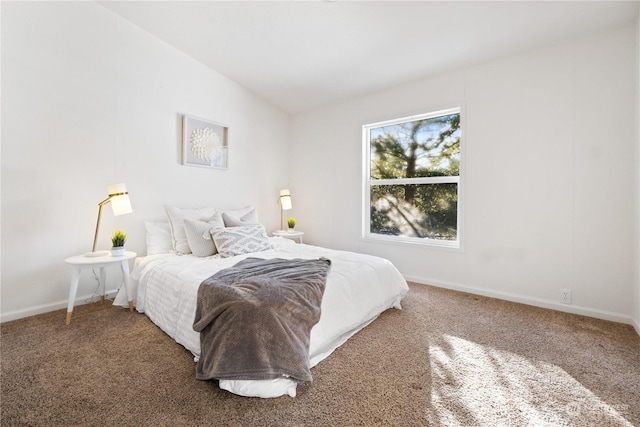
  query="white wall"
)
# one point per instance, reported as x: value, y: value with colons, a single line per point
x: 549, y: 141
x: 551, y: 138
x: 637, y: 180
x: 88, y: 100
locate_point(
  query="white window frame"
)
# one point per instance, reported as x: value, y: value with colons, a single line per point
x: 368, y: 183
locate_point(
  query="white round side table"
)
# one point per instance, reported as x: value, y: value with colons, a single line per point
x: 80, y: 262
x: 293, y: 235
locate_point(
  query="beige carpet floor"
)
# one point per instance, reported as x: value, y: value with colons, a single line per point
x: 446, y: 359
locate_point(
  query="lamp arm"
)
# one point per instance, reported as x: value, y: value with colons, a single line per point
x: 100, y: 205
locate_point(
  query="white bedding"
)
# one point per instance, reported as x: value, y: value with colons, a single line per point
x: 359, y: 288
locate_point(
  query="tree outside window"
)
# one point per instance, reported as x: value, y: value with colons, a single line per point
x: 413, y: 177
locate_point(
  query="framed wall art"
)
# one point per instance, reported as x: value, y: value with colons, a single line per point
x: 204, y: 143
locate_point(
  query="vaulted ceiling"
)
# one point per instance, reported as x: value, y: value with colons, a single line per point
x: 304, y: 54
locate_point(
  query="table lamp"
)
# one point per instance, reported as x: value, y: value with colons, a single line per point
x: 285, y: 204
x: 120, y: 204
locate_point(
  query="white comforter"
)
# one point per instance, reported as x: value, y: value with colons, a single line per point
x: 359, y: 288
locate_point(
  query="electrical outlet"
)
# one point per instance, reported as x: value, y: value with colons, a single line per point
x: 565, y: 296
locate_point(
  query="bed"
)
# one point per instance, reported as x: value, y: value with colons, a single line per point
x: 358, y: 288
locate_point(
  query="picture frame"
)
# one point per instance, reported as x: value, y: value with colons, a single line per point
x: 204, y: 143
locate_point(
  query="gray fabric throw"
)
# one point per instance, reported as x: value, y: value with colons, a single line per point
x: 255, y: 319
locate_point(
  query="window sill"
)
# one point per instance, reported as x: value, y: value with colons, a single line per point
x: 448, y: 245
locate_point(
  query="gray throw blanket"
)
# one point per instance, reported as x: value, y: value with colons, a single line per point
x: 255, y: 319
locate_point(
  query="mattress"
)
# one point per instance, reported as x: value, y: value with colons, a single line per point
x: 359, y: 287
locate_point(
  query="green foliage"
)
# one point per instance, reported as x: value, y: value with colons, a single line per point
x: 422, y: 148
x: 118, y: 238
x: 433, y: 214
x: 291, y: 222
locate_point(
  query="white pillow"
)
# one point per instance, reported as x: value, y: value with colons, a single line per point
x: 176, y: 219
x: 158, y: 237
x: 260, y: 388
x: 232, y: 219
x: 241, y: 211
x: 199, y: 236
x: 232, y: 241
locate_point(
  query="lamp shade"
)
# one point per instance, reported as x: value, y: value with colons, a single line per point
x: 119, y: 199
x: 285, y: 200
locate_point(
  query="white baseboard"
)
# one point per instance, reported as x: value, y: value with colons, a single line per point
x: 45, y: 308
x: 537, y: 302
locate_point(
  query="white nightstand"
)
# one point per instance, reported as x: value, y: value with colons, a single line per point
x: 293, y: 235
x: 82, y: 261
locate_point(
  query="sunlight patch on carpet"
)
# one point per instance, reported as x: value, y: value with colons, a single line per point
x: 473, y: 384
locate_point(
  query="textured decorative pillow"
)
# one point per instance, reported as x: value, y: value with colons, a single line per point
x: 199, y: 235
x: 232, y: 241
x: 176, y: 219
x: 233, y: 220
x: 158, y: 237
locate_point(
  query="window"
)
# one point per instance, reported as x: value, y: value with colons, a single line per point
x: 412, y: 181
